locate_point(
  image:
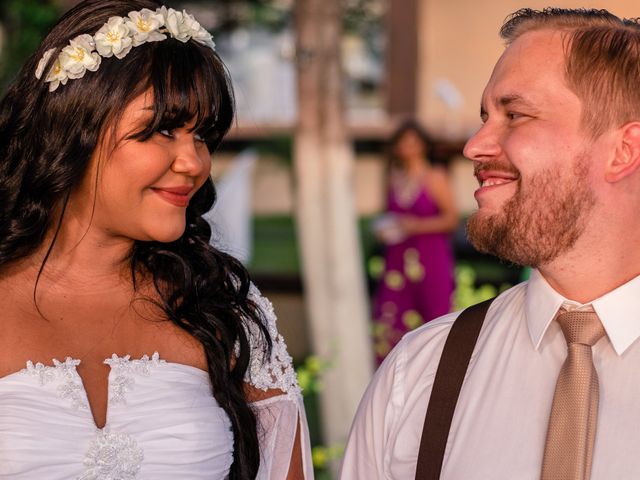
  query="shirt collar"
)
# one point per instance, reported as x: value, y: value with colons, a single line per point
x: 618, y: 310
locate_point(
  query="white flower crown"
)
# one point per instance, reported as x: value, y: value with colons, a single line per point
x: 117, y: 37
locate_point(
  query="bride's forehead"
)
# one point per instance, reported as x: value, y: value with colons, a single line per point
x: 176, y: 106
x: 173, y: 101
x: 144, y: 101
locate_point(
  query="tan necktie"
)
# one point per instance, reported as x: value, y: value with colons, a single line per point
x: 568, y: 451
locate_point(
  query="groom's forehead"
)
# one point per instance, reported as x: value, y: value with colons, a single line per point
x: 529, y: 73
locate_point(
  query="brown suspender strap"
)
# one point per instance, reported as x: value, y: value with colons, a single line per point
x: 453, y: 365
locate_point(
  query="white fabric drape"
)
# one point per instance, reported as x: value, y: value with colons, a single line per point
x: 279, y: 419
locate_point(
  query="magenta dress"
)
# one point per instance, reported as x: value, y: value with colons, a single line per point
x: 418, y: 279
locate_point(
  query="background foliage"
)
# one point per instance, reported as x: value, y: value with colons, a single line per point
x: 25, y: 23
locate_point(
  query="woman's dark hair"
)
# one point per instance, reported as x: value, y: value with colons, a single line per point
x: 46, y: 142
x: 410, y: 125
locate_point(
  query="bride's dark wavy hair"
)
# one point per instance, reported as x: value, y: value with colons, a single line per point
x: 46, y: 142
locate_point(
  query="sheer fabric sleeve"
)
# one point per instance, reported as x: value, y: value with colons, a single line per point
x: 282, y: 416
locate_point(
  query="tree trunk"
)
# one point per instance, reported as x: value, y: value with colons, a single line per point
x: 326, y: 218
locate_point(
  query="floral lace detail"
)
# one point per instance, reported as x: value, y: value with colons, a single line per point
x: 71, y: 387
x: 112, y: 456
x: 276, y: 371
x: 123, y: 369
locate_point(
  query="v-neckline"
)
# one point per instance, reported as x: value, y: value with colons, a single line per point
x: 75, y: 384
x: 91, y: 402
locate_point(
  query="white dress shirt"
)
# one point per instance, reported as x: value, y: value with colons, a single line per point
x: 500, y: 424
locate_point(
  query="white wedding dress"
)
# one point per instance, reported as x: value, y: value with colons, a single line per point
x: 162, y: 420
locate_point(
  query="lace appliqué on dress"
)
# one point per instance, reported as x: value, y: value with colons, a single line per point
x: 70, y: 387
x: 276, y: 371
x: 112, y: 456
x: 123, y: 369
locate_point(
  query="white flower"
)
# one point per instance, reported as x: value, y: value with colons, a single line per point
x: 56, y: 76
x: 177, y: 25
x: 205, y: 38
x: 183, y: 27
x: 113, y: 38
x: 144, y: 26
x: 43, y: 62
x: 190, y: 23
x: 79, y: 56
x: 196, y: 31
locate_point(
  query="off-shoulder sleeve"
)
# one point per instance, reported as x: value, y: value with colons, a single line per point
x: 280, y: 416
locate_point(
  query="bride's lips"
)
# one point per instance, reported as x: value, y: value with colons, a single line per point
x: 178, y: 196
x: 493, y: 179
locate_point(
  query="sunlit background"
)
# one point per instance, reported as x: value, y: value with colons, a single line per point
x: 427, y: 59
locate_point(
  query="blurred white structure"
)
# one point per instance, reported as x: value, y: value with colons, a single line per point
x: 230, y: 217
x: 260, y: 63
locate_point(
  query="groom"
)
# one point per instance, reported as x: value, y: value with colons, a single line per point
x: 554, y: 380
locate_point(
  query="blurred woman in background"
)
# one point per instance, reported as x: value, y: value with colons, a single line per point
x: 418, y: 279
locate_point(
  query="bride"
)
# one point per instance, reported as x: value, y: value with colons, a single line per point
x: 130, y: 348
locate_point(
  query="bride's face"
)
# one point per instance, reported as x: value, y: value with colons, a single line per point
x: 143, y: 188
